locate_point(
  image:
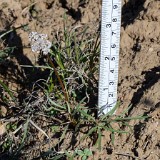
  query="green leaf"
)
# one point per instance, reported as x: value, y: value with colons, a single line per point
x: 114, y: 109
x: 110, y: 112
x: 86, y: 115
x: 78, y: 125
x: 6, y: 52
x: 7, y: 90
x: 89, y: 133
x: 59, y: 61
x: 69, y: 155
x: 125, y: 111
x: 113, y: 130
x: 128, y: 125
x: 43, y: 67
x: 78, y: 107
x: 22, y: 143
x: 87, y: 152
x: 98, y: 142
x: 80, y: 152
x: 63, y: 134
x: 130, y: 118
x: 112, y: 138
x: 55, y: 104
x: 84, y: 157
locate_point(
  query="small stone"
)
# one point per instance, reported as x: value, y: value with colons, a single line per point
x: 2, y: 129
x: 158, y: 53
x: 3, y: 111
x: 150, y: 49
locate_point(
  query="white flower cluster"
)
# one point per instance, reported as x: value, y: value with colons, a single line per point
x: 39, y: 43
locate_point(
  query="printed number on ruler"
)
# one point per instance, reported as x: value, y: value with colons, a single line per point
x: 109, y: 58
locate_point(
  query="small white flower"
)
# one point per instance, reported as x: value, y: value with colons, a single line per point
x: 39, y: 43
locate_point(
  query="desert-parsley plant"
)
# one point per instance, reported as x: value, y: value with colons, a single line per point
x: 39, y: 43
x: 77, y: 114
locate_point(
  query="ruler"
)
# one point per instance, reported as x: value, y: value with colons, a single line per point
x: 109, y: 56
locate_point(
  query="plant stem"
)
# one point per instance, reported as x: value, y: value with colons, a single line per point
x: 59, y: 79
x: 71, y: 119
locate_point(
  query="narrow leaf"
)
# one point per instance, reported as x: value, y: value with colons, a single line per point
x: 89, y: 133
x: 113, y: 130
x: 99, y: 139
x: 7, y: 90
x: 87, y: 115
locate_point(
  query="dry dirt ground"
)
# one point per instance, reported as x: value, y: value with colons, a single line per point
x: 139, y: 70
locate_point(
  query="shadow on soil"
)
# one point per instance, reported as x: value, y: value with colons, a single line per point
x: 75, y: 14
x: 151, y: 77
x: 131, y: 10
x: 12, y: 72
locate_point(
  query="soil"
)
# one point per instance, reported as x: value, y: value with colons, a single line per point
x: 139, y: 69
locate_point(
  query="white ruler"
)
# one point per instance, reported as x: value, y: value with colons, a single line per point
x: 109, y: 58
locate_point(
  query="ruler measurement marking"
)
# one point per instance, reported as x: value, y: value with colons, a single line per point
x: 109, y: 59
x: 110, y: 27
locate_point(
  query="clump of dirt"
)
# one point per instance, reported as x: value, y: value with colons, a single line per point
x: 139, y: 70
